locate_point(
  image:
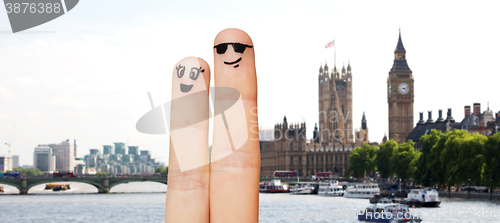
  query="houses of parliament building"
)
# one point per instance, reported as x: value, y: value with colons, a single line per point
x: 332, y: 142
x: 334, y: 138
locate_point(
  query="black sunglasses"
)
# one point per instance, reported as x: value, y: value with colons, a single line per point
x: 238, y: 47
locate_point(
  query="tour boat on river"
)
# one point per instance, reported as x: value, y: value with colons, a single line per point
x: 387, y: 211
x: 362, y: 190
x: 304, y: 188
x: 274, y: 186
x: 427, y: 197
x: 330, y: 188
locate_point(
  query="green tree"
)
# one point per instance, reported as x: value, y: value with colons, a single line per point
x: 413, y: 164
x: 435, y: 165
x: 162, y: 170
x: 422, y: 173
x: 159, y: 169
x: 28, y: 172
x: 448, y: 144
x: 491, y: 167
x: 362, y: 160
x: 463, y: 157
x: 401, y: 159
x: 383, y: 158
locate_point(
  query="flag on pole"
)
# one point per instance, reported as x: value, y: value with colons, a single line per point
x: 330, y: 44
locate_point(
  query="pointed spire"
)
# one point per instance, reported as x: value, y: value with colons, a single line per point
x: 326, y: 67
x: 343, y: 68
x: 400, y: 47
x: 348, y: 65
x: 320, y: 68
x: 363, y: 121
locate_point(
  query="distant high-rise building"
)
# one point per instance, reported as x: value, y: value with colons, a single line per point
x: 133, y: 150
x: 94, y: 151
x: 106, y: 149
x: 44, y: 159
x: 145, y: 155
x: 15, y: 161
x: 74, y: 145
x: 64, y: 155
x: 5, y: 163
x: 119, y: 148
x: 127, y: 159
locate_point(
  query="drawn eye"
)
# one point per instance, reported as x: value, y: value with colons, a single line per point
x: 195, y: 72
x: 180, y: 70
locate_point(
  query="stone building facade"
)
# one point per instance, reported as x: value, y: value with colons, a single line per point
x: 331, y: 144
x: 290, y: 150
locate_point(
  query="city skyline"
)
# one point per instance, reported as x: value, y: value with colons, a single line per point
x: 70, y: 91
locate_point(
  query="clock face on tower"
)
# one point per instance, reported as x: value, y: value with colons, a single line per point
x: 403, y: 88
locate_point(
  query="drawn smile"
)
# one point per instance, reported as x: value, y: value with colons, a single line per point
x: 186, y: 88
x: 231, y: 63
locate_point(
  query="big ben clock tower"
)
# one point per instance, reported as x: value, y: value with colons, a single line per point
x: 400, y: 96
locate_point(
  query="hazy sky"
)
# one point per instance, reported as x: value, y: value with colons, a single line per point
x: 87, y: 79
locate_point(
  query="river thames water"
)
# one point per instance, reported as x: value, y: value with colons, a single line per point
x: 145, y: 202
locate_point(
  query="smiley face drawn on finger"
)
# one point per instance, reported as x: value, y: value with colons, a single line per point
x: 193, y: 75
x: 237, y: 47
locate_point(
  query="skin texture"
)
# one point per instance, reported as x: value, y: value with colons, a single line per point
x: 234, y: 178
x: 188, y: 191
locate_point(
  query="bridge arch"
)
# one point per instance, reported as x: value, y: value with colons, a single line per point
x: 102, y: 183
x: 17, y: 186
x: 97, y: 185
x: 113, y: 183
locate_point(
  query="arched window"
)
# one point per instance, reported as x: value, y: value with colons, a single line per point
x: 291, y: 146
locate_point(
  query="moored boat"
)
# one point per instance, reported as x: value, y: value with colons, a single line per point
x: 60, y: 188
x: 304, y: 188
x: 274, y: 186
x: 330, y: 188
x: 362, y: 190
x: 427, y: 197
x: 52, y: 186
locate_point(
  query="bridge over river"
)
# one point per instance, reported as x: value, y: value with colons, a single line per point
x: 102, y: 183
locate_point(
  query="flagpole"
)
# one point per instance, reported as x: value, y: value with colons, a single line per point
x: 334, y: 53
